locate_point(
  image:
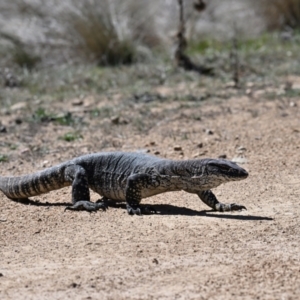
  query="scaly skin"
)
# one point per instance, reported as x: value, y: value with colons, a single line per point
x: 128, y: 177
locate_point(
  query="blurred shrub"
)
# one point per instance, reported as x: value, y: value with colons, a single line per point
x: 20, y: 53
x: 99, y: 40
x: 280, y: 14
x: 101, y: 35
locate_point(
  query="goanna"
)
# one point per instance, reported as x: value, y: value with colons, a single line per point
x: 127, y: 177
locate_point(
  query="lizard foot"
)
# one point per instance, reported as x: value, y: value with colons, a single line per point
x: 229, y: 207
x: 87, y: 205
x: 138, y: 210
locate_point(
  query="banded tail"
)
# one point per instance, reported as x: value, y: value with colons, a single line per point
x: 21, y: 187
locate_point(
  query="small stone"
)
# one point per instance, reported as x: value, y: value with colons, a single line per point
x: 24, y: 151
x: 222, y: 156
x: 19, y: 105
x: 45, y: 163
x: 177, y: 148
x: 293, y: 104
x: 230, y: 84
x: 156, y: 152
x: 2, y: 129
x: 155, y: 261
x: 248, y: 92
x: 200, y: 145
x: 240, y: 160
x: 115, y: 120
x: 77, y: 102
x: 143, y: 150
x: 124, y: 121
x: 288, y: 85
x: 1, y: 275
x: 241, y: 148
x: 199, y: 154
x: 152, y: 143
x: 209, y: 132
x: 18, y: 121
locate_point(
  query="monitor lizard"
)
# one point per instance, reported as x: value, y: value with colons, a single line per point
x: 127, y: 177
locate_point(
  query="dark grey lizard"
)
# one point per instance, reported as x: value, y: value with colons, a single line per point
x: 128, y: 177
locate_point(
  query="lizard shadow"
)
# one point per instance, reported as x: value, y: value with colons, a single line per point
x: 167, y: 209
x: 27, y: 201
x: 162, y: 209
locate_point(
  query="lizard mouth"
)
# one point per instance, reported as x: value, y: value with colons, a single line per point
x: 239, y: 173
x: 230, y: 170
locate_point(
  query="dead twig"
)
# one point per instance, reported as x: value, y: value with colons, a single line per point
x: 235, y: 61
x: 181, y: 59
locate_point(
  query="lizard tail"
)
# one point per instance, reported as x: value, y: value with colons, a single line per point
x: 21, y: 187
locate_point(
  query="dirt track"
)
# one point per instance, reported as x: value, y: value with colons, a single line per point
x: 185, y: 251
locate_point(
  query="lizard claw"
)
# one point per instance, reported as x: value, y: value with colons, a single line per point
x: 235, y: 206
x: 87, y: 205
x: 132, y: 211
x: 146, y: 210
x: 221, y: 207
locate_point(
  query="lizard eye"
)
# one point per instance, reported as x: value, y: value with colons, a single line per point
x: 223, y: 168
x: 220, y: 167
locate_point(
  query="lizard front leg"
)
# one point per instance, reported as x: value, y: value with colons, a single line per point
x: 80, y: 190
x: 133, y: 193
x: 210, y: 199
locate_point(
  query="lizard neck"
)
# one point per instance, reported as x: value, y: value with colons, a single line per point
x: 189, y: 175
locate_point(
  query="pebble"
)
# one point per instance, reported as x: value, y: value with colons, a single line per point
x: 18, y: 121
x: 18, y: 106
x: 77, y: 102
x: 240, y: 160
x: 24, y: 151
x: 209, y: 132
x: 177, y: 148
x: 230, y: 84
x: 199, y: 154
x: 241, y: 149
x: 115, y: 120
x: 143, y: 150
x: 45, y: 163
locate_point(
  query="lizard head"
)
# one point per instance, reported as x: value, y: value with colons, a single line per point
x: 213, y: 172
x: 225, y: 170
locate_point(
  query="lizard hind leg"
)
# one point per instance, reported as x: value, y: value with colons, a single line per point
x: 80, y: 190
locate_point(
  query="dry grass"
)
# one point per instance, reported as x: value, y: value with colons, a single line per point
x: 111, y: 32
x: 99, y: 40
x: 280, y: 14
x: 105, y: 37
x: 19, y: 53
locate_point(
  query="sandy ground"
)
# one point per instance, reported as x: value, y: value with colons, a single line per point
x: 185, y: 251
